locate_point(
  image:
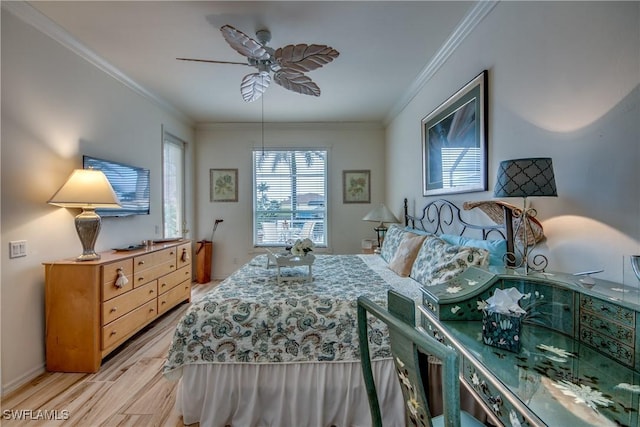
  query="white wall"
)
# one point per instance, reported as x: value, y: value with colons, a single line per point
x: 56, y: 107
x: 563, y: 83
x: 350, y: 145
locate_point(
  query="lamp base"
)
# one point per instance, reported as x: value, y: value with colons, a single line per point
x: 92, y: 256
x: 536, y: 263
x: 88, y: 227
x: 381, y: 230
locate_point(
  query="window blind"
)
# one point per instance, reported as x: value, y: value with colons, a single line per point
x: 289, y: 194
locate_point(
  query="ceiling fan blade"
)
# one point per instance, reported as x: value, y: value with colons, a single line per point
x: 254, y: 85
x: 243, y: 44
x: 296, y: 82
x: 213, y: 61
x: 303, y: 57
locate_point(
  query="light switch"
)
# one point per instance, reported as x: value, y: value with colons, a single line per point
x: 17, y: 248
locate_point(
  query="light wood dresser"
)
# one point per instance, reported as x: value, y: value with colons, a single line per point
x: 90, y: 310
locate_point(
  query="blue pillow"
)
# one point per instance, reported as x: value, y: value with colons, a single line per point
x: 496, y: 248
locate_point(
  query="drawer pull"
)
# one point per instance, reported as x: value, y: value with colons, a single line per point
x: 140, y: 262
x: 151, y: 291
x: 163, y: 302
x: 114, y: 309
x: 151, y: 310
x: 122, y: 279
x: 140, y: 279
x: 172, y: 266
x: 113, y: 333
x: 163, y: 285
x: 171, y: 253
x: 604, y: 308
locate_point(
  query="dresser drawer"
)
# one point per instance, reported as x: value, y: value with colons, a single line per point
x: 172, y: 280
x: 119, y: 330
x: 429, y: 305
x: 119, y: 306
x: 153, y: 273
x: 184, y: 255
x: 110, y: 273
x: 606, y: 327
x: 174, y: 296
x: 607, y: 310
x: 608, y: 346
x: 150, y: 260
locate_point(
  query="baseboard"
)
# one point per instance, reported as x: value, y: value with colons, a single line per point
x: 22, y: 380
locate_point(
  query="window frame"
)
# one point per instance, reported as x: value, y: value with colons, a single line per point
x: 316, y: 228
x: 169, y: 139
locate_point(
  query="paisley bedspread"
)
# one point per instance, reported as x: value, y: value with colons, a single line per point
x: 250, y: 318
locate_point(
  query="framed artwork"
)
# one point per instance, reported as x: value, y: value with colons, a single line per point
x: 223, y: 185
x: 454, y: 142
x: 356, y: 186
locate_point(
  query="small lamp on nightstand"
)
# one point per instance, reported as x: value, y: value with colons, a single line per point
x: 380, y: 214
x: 86, y: 189
x: 526, y: 178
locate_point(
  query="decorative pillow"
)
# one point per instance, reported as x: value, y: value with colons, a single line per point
x: 437, y: 261
x: 392, y: 239
x: 406, y: 253
x: 417, y: 231
x: 497, y: 248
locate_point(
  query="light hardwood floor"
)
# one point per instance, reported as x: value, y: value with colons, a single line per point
x: 129, y: 389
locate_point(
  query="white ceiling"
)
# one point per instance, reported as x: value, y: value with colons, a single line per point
x: 384, y: 47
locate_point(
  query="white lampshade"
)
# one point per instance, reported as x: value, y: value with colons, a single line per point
x: 380, y: 214
x: 86, y: 188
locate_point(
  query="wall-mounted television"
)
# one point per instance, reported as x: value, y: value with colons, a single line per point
x: 130, y: 183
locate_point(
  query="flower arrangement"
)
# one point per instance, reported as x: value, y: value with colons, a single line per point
x: 302, y: 247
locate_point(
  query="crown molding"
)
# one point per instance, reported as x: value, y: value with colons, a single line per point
x: 475, y: 15
x: 289, y: 126
x: 30, y: 15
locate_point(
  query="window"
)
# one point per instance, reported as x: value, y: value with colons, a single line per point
x: 173, y: 213
x: 289, y: 196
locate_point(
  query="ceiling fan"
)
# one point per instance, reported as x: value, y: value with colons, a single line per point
x: 288, y: 64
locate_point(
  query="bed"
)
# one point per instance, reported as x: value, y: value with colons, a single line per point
x: 255, y: 352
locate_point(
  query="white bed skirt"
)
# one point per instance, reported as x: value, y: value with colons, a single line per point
x: 287, y: 395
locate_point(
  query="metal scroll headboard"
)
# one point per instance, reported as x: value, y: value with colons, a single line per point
x: 443, y: 217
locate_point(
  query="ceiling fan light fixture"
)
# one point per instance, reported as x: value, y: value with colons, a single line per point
x: 288, y: 63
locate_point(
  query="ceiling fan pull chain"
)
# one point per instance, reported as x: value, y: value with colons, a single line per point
x: 262, y: 123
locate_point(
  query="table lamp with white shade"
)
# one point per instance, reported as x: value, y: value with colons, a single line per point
x: 381, y: 214
x: 87, y: 189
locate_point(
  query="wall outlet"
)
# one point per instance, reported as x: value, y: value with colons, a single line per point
x: 17, y: 248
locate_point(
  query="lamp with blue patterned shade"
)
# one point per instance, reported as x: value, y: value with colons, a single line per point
x: 531, y: 177
x: 526, y: 178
